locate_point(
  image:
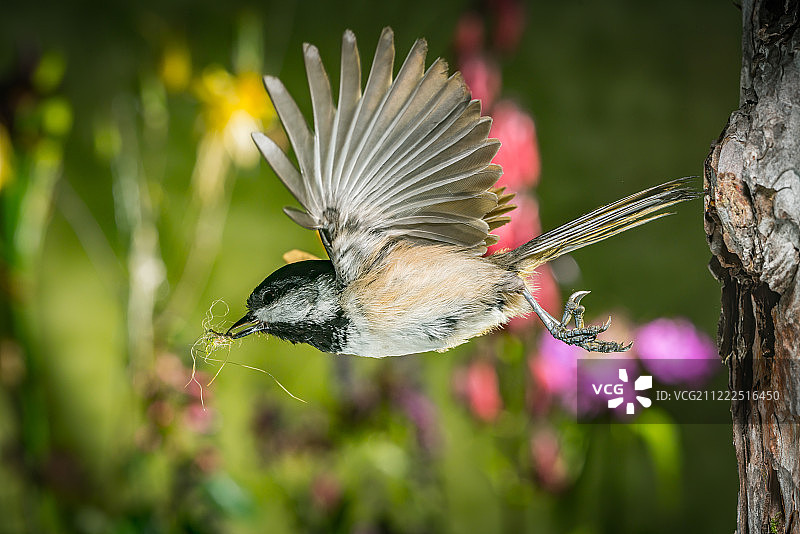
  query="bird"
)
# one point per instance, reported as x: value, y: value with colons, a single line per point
x: 397, y: 179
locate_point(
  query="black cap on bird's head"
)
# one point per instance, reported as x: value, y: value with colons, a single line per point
x: 289, y: 295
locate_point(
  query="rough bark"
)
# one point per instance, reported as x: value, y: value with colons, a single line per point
x: 752, y: 219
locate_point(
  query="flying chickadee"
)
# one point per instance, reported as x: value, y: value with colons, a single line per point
x: 398, y: 181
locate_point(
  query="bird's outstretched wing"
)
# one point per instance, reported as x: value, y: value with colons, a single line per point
x: 410, y: 158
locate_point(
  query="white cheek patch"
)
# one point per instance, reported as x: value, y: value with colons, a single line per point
x: 289, y: 308
x: 306, y: 305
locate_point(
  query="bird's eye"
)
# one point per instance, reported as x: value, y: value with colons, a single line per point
x: 267, y: 295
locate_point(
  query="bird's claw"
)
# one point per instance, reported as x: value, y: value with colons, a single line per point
x: 584, y: 336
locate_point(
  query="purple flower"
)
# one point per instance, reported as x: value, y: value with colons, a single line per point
x: 556, y: 365
x: 422, y: 413
x: 603, y: 378
x: 555, y: 369
x: 674, y: 351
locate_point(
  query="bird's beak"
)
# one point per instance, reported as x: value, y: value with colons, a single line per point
x: 243, y: 327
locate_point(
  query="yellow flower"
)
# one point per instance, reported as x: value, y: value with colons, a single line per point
x: 234, y: 107
x: 175, y: 69
x: 6, y: 169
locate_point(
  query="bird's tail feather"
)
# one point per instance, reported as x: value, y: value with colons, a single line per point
x: 599, y: 224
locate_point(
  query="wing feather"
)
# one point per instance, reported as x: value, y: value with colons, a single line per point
x: 322, y: 106
x: 429, y: 235
x: 409, y: 159
x: 440, y: 137
x: 349, y: 96
x: 465, y: 202
x: 302, y: 218
x: 468, y: 186
x: 461, y: 164
x: 297, y: 131
x: 378, y: 84
x: 465, y: 234
x: 412, y: 123
x: 284, y: 168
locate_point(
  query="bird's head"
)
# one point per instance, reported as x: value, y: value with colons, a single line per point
x: 299, y: 293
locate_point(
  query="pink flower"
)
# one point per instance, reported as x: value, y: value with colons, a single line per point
x: 326, y: 492
x: 198, y: 419
x: 207, y: 459
x: 161, y: 412
x: 482, y: 391
x: 482, y: 76
x: 523, y: 227
x: 509, y: 23
x: 549, y: 463
x: 170, y: 370
x: 519, y: 153
x: 469, y: 35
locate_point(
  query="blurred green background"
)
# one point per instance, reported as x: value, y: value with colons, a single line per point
x: 129, y: 208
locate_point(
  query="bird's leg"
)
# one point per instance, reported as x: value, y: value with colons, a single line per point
x: 582, y: 336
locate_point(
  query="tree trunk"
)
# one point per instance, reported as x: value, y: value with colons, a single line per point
x: 752, y: 219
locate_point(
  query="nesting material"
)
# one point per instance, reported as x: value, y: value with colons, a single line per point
x: 211, y: 341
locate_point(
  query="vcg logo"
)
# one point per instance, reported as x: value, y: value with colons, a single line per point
x: 618, y: 389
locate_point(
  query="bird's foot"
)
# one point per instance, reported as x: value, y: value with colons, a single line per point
x: 580, y: 336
